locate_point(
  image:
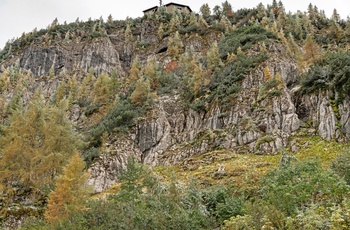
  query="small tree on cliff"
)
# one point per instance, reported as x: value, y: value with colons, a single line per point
x: 142, y: 93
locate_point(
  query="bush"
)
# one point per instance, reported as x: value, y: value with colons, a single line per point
x: 222, y: 204
x: 225, y: 83
x: 121, y: 116
x: 144, y: 203
x: 294, y: 187
x: 341, y: 166
x: 330, y: 73
x: 244, y: 37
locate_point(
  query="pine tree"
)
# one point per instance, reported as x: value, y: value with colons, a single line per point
x: 71, y: 192
x: 227, y: 9
x: 226, y: 24
x: 267, y: 74
x: 205, y: 10
x: 151, y: 72
x: 202, y: 22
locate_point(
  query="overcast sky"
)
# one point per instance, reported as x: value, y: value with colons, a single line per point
x: 17, y: 16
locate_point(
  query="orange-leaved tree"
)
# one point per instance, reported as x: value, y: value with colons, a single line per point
x: 71, y: 192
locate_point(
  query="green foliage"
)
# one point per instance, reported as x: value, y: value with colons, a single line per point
x: 120, y: 116
x: 36, y: 145
x: 257, y: 216
x: 144, y: 203
x: 331, y: 72
x: 222, y: 203
x: 244, y: 37
x: 293, y: 187
x: 341, y: 166
x: 225, y: 83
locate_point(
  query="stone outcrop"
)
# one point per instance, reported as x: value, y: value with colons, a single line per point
x: 105, y: 171
x: 99, y: 55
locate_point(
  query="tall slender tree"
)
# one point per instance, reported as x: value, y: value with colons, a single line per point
x: 71, y: 192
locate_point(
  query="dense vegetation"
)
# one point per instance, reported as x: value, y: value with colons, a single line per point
x: 44, y: 156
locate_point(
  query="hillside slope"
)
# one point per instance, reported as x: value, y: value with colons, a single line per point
x: 170, y: 88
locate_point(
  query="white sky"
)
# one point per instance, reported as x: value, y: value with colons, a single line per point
x: 17, y: 16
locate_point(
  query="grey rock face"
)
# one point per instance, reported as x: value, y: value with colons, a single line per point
x: 105, y: 171
x: 100, y: 55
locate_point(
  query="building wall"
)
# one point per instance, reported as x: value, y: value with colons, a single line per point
x: 172, y: 8
x: 169, y: 9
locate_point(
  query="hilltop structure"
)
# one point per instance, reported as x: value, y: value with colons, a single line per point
x: 170, y: 7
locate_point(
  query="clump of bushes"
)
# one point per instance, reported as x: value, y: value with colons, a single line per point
x: 329, y: 73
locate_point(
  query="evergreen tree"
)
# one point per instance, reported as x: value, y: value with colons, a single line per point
x: 151, y: 72
x: 71, y: 192
x: 205, y: 10
x: 227, y: 9
x: 217, y: 12
x: 202, y: 23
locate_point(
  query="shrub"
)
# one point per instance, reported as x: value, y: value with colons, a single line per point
x: 222, y: 204
x: 341, y: 166
x: 330, y: 73
x: 244, y: 37
x: 294, y: 187
x: 144, y: 203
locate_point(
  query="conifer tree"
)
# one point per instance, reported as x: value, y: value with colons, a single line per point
x: 205, y: 10
x: 217, y: 12
x: 60, y: 93
x: 102, y: 89
x: 213, y: 58
x: 227, y: 9
x: 142, y: 93
x: 128, y: 34
x: 71, y: 192
x: 174, y: 24
x: 202, y: 22
x: 226, y: 24
x: 160, y: 31
x: 36, y: 145
x: 175, y: 46
x: 267, y: 74
x: 311, y: 51
x: 73, y: 90
x: 87, y: 85
x: 110, y: 19
x: 134, y: 73
x: 151, y: 72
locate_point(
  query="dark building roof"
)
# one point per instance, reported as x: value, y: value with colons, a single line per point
x: 152, y: 8
x: 169, y: 4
